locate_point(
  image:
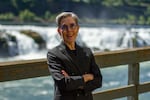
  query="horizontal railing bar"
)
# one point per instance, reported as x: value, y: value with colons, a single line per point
x: 122, y: 57
x: 111, y: 58
x: 122, y: 91
x: 20, y: 62
x: 22, y: 70
x: 144, y: 87
x: 115, y: 93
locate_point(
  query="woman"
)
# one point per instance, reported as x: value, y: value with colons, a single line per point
x: 72, y: 66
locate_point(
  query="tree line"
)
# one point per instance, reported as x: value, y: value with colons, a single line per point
x: 89, y: 11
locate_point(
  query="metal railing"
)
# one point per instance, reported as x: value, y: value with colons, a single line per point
x: 24, y: 69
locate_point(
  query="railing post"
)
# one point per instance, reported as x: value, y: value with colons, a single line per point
x: 133, y: 78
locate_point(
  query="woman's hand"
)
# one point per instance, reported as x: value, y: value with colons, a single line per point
x: 88, y: 77
x: 64, y: 73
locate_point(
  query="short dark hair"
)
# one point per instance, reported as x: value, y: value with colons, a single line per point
x: 62, y: 15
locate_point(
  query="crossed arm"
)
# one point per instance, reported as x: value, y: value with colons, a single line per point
x: 86, y: 77
x: 66, y: 82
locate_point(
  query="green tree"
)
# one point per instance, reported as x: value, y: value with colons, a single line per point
x: 147, y: 12
x: 7, y: 16
x: 26, y: 15
x: 110, y: 3
x: 47, y: 15
x: 141, y: 20
x: 131, y: 19
x: 148, y: 21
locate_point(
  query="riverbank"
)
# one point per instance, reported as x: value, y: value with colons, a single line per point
x: 82, y: 24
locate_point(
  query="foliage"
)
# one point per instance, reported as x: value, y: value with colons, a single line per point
x: 7, y: 16
x: 26, y: 15
x: 109, y: 3
x: 111, y: 11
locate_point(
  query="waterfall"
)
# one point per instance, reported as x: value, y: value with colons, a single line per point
x: 25, y: 43
x: 105, y: 38
x: 97, y: 38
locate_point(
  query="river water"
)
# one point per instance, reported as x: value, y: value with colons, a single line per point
x: 98, y: 38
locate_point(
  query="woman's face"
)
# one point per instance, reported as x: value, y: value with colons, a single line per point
x: 68, y: 29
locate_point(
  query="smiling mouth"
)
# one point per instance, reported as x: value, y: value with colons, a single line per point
x: 70, y: 36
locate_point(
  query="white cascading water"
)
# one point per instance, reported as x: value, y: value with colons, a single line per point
x: 25, y: 43
x: 143, y: 34
x: 102, y: 38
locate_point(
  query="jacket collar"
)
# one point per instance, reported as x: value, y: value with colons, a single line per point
x: 63, y: 48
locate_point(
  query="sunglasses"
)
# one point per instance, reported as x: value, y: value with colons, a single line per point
x: 67, y: 27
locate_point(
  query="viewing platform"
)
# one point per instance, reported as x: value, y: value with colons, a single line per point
x: 23, y: 69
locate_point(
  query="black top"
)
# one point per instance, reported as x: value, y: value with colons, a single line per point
x: 72, y: 53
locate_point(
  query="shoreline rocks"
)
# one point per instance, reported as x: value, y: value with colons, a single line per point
x: 36, y: 37
x: 8, y: 45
